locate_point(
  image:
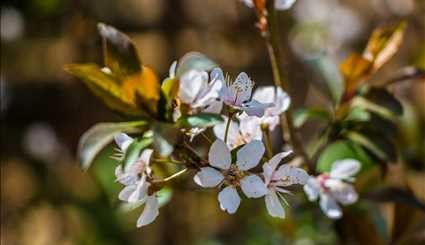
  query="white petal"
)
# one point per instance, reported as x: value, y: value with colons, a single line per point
x: 140, y: 192
x: 219, y: 155
x: 217, y: 75
x: 242, y: 88
x: 273, y: 205
x: 253, y: 186
x: 343, y: 192
x: 209, y: 95
x: 123, y: 141
x: 125, y: 178
x: 283, y: 4
x: 150, y: 212
x: 290, y: 175
x: 146, y: 156
x: 125, y: 193
x: 344, y: 169
x: 312, y: 189
x: 250, y: 127
x: 330, y: 207
x: 250, y: 155
x: 229, y: 199
x: 214, y: 107
x: 191, y: 84
x: 172, y: 70
x: 255, y: 108
x: 208, y: 177
x: 270, y: 166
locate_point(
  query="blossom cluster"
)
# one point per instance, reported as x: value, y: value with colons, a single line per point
x: 236, y: 158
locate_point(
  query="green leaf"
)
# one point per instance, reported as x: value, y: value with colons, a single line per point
x: 119, y: 52
x: 358, y: 114
x: 339, y: 150
x: 201, y: 120
x: 303, y: 114
x: 194, y: 61
x: 105, y: 87
x: 165, y: 136
x: 103, y: 168
x: 164, y: 196
x: 100, y: 135
x: 384, y: 99
x: 378, y: 144
x: 134, y: 150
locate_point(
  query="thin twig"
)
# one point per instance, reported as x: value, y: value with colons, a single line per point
x: 271, y: 37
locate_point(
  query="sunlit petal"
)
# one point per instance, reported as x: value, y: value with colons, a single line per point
x: 123, y: 141
x: 208, y: 177
x: 219, y: 155
x: 229, y: 199
x: 150, y: 212
x: 273, y: 205
x: 250, y: 155
x: 253, y: 186
x: 330, y: 207
x: 312, y: 189
x: 344, y: 169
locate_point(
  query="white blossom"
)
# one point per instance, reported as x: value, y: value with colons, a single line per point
x: 238, y: 134
x: 276, y: 179
x: 135, y: 178
x: 334, y: 187
x: 222, y: 171
x: 271, y: 118
x: 198, y: 93
x: 237, y: 93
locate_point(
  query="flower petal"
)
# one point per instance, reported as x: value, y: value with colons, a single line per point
x: 273, y: 205
x: 270, y: 166
x: 214, y: 107
x: 219, y: 155
x: 344, y: 169
x: 232, y: 136
x: 123, y: 141
x: 250, y: 155
x: 125, y: 193
x: 242, y: 88
x: 229, y: 199
x: 191, y: 84
x: 283, y: 4
x: 125, y: 178
x: 330, y: 207
x: 150, y: 212
x: 253, y: 186
x: 145, y: 157
x: 140, y: 192
x: 172, y: 70
x: 312, y: 189
x: 255, y: 108
x: 208, y: 177
x: 290, y: 175
x: 343, y: 192
x: 250, y: 127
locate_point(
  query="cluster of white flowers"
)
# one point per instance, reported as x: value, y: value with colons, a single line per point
x: 200, y: 91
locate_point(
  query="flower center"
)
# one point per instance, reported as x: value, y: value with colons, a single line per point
x: 322, y: 180
x: 233, y: 175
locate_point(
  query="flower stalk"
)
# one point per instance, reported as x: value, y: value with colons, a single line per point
x: 270, y: 33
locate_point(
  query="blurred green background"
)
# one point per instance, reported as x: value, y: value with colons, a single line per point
x: 47, y: 199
